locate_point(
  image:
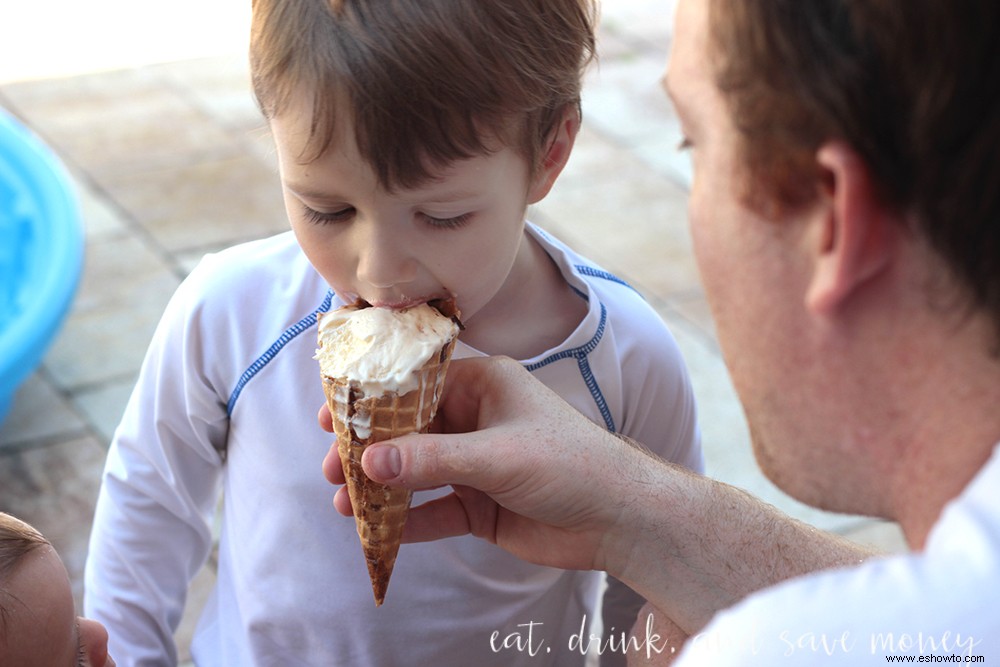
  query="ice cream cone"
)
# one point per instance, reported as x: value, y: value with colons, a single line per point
x: 380, y: 511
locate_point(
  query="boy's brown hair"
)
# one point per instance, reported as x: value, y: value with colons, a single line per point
x: 424, y: 82
x: 912, y: 85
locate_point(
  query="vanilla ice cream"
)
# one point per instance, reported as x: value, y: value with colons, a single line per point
x: 381, y: 350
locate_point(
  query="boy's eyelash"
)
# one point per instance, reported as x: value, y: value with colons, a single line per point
x: 685, y: 144
x: 449, y: 223
x: 321, y: 218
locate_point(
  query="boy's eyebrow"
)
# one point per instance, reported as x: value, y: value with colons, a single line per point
x: 306, y: 193
x: 316, y: 195
x: 449, y: 197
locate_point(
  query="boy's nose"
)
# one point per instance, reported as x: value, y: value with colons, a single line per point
x: 383, y: 259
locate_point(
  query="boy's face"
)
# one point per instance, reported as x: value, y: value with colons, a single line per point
x: 459, y: 234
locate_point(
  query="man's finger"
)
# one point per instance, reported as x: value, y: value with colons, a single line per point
x: 436, y: 519
x: 426, y: 461
x: 342, y: 502
x: 333, y: 469
x: 325, y: 419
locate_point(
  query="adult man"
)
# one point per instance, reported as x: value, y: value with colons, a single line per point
x: 845, y: 213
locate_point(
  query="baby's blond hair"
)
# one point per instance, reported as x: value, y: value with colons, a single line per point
x: 17, y: 540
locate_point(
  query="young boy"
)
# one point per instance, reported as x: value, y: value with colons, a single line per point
x: 411, y: 138
x: 38, y: 622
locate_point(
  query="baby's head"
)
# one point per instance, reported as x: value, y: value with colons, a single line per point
x: 38, y: 624
x: 424, y: 83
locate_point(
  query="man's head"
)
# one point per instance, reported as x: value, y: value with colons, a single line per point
x: 912, y: 85
x: 423, y: 84
x: 843, y: 212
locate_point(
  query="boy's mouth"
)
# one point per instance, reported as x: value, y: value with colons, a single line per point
x: 401, y: 304
x: 447, y: 306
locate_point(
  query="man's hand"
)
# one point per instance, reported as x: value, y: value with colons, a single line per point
x: 558, y: 490
x: 543, y: 475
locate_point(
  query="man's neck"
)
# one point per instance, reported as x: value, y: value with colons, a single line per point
x: 954, y: 426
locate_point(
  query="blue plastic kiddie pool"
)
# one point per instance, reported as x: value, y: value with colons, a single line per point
x: 41, y: 252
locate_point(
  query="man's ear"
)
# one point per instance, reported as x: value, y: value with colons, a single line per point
x: 858, y: 232
x: 556, y: 154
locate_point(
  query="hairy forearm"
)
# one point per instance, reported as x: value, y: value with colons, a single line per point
x: 578, y: 497
x: 692, y: 545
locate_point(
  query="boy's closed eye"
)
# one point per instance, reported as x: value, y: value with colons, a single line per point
x: 345, y: 215
x: 453, y: 222
x: 325, y: 218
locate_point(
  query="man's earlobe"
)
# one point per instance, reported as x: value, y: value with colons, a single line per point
x: 858, y: 232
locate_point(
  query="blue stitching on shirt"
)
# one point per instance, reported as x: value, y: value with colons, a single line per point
x: 580, y: 293
x: 599, y: 273
x: 285, y: 338
x: 580, y: 354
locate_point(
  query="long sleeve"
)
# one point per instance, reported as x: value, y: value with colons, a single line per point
x: 152, y: 525
x: 230, y: 370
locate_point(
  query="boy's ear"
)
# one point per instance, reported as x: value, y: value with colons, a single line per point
x: 556, y: 154
x: 857, y: 232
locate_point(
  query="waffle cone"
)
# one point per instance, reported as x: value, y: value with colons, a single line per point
x: 380, y: 511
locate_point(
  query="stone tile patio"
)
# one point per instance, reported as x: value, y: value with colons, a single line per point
x: 171, y: 160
